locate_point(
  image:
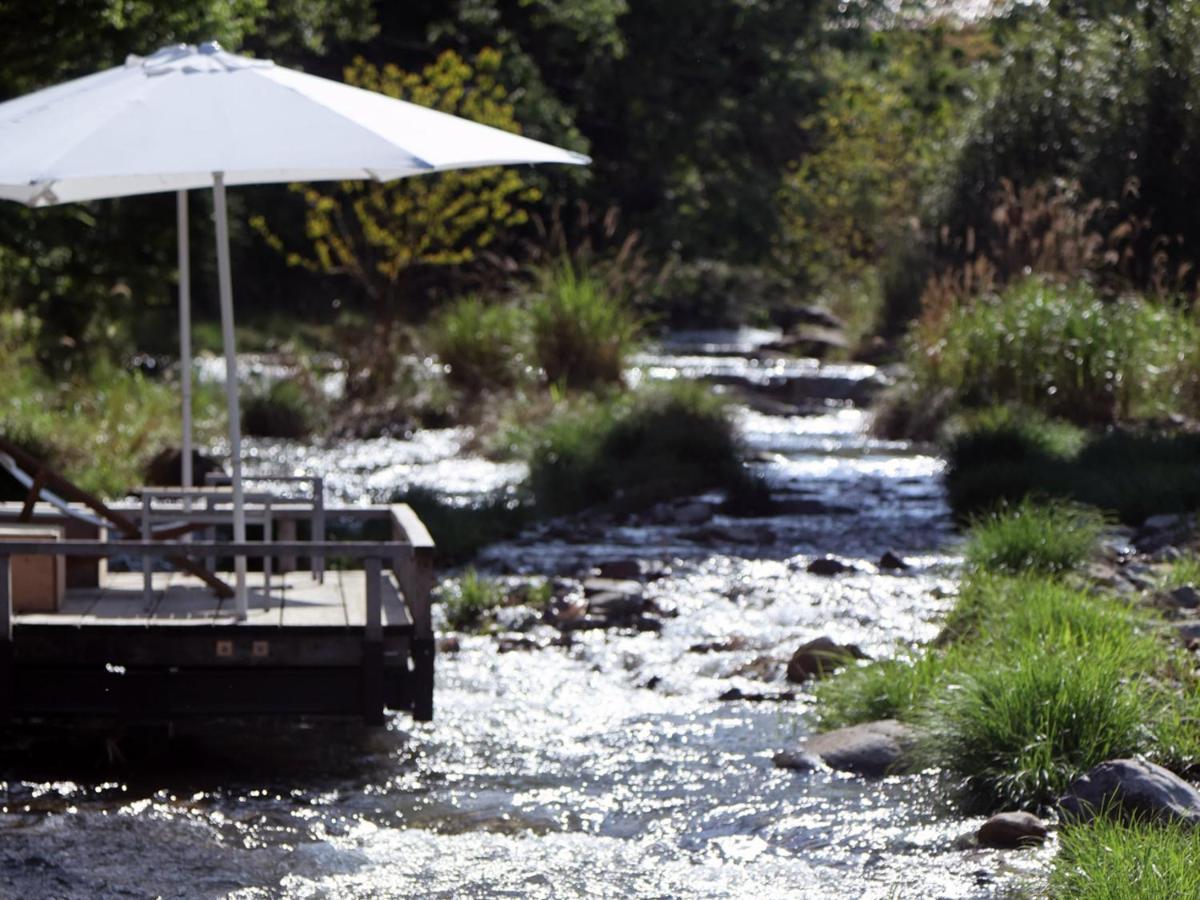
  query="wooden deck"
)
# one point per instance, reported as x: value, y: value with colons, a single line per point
x: 296, y: 600
x: 353, y: 644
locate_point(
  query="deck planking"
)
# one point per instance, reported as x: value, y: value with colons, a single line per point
x: 296, y: 600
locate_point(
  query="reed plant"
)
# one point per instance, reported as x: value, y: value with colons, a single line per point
x: 469, y: 599
x: 582, y: 333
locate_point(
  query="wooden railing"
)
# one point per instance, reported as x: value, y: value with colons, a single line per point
x: 409, y: 555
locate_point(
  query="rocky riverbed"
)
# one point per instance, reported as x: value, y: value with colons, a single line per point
x: 632, y: 755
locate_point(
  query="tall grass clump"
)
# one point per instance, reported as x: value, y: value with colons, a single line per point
x: 631, y: 450
x: 581, y: 332
x: 1057, y: 348
x: 289, y: 408
x: 1110, y: 860
x: 884, y: 689
x: 1043, y: 538
x: 480, y: 343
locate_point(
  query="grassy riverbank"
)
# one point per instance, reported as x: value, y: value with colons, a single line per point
x: 1038, y: 675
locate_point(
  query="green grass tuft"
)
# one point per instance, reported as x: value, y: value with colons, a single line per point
x: 1107, y: 860
x: 1044, y: 538
x: 481, y: 343
x: 581, y: 334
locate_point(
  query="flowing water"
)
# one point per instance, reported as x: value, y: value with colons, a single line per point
x: 605, y: 768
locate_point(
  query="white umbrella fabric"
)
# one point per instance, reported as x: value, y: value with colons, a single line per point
x: 200, y: 117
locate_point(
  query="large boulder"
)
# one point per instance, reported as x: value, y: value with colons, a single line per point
x: 1130, y: 788
x: 819, y: 657
x: 873, y: 749
x: 828, y: 566
x: 1009, y: 830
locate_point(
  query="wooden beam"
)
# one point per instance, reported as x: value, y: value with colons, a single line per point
x: 31, y: 499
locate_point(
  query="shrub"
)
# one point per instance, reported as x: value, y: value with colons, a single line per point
x: 1132, y: 475
x: 581, y: 334
x: 1061, y: 350
x: 480, y: 343
x: 469, y: 599
x: 287, y: 409
x: 1045, y: 539
x: 630, y: 451
x: 1108, y: 860
x: 460, y: 532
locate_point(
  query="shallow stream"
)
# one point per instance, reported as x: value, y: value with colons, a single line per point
x: 606, y: 768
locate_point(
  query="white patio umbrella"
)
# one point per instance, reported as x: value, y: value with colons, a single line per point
x: 200, y: 117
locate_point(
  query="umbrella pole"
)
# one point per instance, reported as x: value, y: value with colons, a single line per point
x: 185, y: 335
x: 225, y: 281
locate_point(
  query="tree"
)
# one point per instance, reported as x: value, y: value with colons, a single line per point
x: 377, y: 234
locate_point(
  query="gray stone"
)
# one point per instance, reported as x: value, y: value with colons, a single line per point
x: 815, y: 315
x: 508, y: 643
x: 873, y: 749
x: 757, y: 696
x: 819, y: 657
x: 696, y: 513
x: 620, y: 569
x: 613, y: 605
x: 1009, y: 830
x: 827, y: 565
x: 594, y: 586
x: 1164, y: 522
x: 1131, y: 788
x: 798, y: 761
x: 1185, y: 597
x: 892, y: 562
x: 1189, y: 631
x: 726, y: 645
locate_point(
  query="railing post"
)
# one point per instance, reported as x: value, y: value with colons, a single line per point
x: 420, y: 606
x: 318, y: 526
x: 7, y: 688
x: 147, y: 562
x: 372, y: 662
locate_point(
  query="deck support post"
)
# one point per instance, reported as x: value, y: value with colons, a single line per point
x: 372, y: 665
x: 7, y: 691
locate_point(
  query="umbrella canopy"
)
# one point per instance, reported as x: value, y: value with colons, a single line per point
x: 170, y: 120
x: 200, y: 117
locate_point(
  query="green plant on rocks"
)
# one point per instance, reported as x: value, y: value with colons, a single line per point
x: 469, y: 599
x: 629, y: 451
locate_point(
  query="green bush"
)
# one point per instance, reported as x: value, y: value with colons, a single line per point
x: 630, y: 451
x: 287, y: 409
x: 1108, y: 860
x: 480, y: 343
x: 581, y: 334
x: 1129, y: 474
x: 1048, y: 539
x: 884, y: 689
x: 1061, y: 350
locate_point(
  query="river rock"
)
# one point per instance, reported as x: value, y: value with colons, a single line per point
x: 814, y: 315
x: 873, y: 749
x: 696, y: 513
x: 819, y: 657
x: 757, y: 696
x: 1131, y: 787
x: 828, y: 566
x: 614, y: 606
x: 726, y: 645
x: 798, y: 761
x: 448, y: 645
x: 1185, y: 597
x: 892, y: 562
x: 594, y: 586
x: 1009, y: 830
x: 508, y: 643
x: 620, y: 569
x: 166, y: 469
